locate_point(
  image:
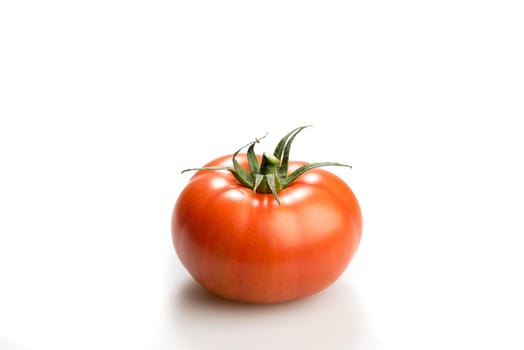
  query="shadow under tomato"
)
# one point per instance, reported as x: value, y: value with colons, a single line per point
x: 332, y: 320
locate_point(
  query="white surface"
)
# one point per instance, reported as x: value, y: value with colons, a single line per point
x: 102, y: 103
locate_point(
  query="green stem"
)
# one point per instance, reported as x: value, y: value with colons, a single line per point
x: 269, y: 170
x: 269, y: 164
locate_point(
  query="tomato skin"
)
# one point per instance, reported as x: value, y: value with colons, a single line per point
x: 245, y: 247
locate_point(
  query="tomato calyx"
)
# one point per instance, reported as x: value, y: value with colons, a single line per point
x: 271, y: 174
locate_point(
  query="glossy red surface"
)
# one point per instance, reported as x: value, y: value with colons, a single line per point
x: 244, y: 246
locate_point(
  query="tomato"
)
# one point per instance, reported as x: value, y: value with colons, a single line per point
x: 256, y: 247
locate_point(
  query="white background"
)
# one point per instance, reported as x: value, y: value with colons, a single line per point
x: 102, y: 103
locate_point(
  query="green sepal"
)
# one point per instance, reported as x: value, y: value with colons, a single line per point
x: 254, y: 167
x: 270, y: 178
x: 282, y: 171
x: 241, y: 173
x: 258, y: 181
x: 240, y: 179
x: 307, y: 167
x: 280, y: 146
x: 219, y: 167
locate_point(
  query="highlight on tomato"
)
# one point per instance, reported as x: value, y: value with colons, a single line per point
x: 265, y: 229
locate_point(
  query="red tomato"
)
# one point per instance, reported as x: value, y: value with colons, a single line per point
x: 245, y: 246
